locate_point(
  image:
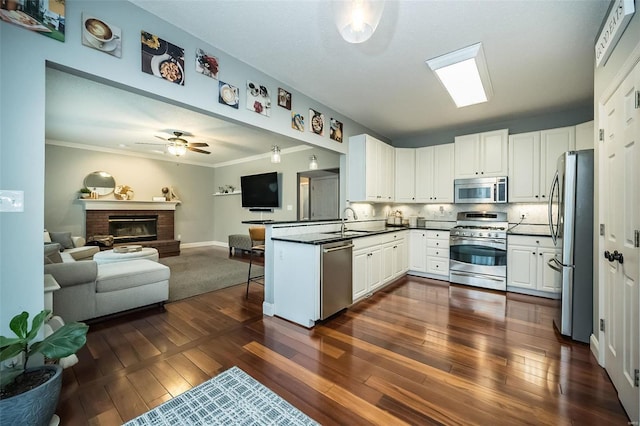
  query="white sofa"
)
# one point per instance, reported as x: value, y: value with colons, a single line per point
x: 89, y: 290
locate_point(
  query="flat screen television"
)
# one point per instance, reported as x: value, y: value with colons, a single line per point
x: 261, y: 191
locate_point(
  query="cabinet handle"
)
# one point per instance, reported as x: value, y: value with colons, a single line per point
x: 534, y: 253
x: 481, y: 173
x: 543, y: 196
x: 536, y: 196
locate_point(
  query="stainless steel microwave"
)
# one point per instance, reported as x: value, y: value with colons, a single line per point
x: 484, y: 190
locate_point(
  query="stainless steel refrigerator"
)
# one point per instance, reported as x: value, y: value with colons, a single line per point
x: 571, y: 223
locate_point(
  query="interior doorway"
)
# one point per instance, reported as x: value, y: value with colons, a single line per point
x: 319, y: 194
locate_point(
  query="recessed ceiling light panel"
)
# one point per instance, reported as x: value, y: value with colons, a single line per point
x: 464, y: 74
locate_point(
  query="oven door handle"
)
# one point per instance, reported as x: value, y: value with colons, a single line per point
x: 478, y: 240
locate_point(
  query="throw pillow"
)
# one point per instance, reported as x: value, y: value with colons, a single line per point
x: 47, y: 237
x: 52, y: 253
x: 62, y: 238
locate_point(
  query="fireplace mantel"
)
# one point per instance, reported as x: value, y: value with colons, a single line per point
x: 91, y: 204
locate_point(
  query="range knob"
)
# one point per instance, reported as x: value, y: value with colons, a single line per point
x: 480, y: 234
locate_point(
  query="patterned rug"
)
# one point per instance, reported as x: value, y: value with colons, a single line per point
x: 231, y: 398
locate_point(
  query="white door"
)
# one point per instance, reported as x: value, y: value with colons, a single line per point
x: 553, y: 143
x: 494, y: 147
x: 405, y: 175
x: 443, y: 173
x: 324, y: 197
x: 424, y: 174
x: 622, y: 220
x: 524, y: 168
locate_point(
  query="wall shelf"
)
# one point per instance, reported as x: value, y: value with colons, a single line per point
x: 218, y: 194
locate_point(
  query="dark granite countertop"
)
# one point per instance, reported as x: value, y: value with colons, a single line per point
x: 529, y: 230
x: 316, y: 238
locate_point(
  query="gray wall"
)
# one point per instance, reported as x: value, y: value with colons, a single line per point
x: 65, y: 169
x: 228, y: 213
x: 528, y: 123
x: 24, y: 56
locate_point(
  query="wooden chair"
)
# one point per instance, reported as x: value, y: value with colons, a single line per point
x: 256, y: 234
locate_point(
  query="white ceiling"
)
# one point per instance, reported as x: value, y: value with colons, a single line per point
x: 539, y: 56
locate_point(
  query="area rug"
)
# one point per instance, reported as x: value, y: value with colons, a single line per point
x: 203, y: 269
x: 231, y: 398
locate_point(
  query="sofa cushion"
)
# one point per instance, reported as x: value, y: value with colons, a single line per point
x: 128, y: 274
x: 47, y: 237
x: 62, y: 238
x: 52, y: 253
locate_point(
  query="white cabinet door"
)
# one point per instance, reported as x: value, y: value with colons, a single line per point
x: 359, y: 278
x: 388, y: 261
x: 424, y: 174
x: 405, y: 179
x: 434, y: 174
x: 524, y: 167
x: 374, y: 268
x: 418, y: 251
x: 553, y: 143
x: 370, y: 170
x: 467, y: 154
x: 521, y: 266
x: 548, y: 279
x: 494, y: 148
x: 482, y: 154
x: 401, y: 264
x: 443, y: 175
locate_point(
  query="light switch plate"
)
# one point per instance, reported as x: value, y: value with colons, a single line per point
x: 11, y: 201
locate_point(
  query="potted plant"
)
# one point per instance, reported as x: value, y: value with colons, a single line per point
x: 85, y: 192
x: 30, y: 395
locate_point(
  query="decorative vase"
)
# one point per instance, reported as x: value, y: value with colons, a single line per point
x: 36, y: 406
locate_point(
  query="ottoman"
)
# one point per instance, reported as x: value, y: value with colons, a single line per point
x: 109, y: 256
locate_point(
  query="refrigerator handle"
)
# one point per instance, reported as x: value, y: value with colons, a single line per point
x: 554, y: 184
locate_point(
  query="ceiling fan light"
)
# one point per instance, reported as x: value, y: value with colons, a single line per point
x: 313, y: 162
x: 177, y: 149
x: 275, y: 154
x: 357, y: 20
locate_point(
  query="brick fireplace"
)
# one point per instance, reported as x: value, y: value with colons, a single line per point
x: 100, y: 214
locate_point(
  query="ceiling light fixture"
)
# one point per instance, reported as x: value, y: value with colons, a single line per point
x: 313, y: 162
x: 275, y: 154
x: 357, y: 20
x: 464, y: 74
x: 177, y: 149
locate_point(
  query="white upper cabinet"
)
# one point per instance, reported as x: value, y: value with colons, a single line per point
x: 405, y: 175
x: 482, y: 154
x: 533, y: 160
x: 434, y: 174
x: 371, y: 166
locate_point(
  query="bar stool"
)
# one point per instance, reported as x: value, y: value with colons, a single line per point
x: 256, y: 235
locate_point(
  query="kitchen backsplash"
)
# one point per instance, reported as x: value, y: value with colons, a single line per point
x: 535, y: 213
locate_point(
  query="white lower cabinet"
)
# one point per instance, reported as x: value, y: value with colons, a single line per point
x: 527, y: 269
x: 377, y: 261
x: 429, y: 253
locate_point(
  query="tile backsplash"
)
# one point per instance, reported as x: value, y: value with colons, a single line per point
x: 535, y: 213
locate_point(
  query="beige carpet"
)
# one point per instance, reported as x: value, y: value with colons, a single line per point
x: 203, y: 269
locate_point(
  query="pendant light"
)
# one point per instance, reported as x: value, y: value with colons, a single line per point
x: 313, y: 162
x: 357, y: 20
x: 275, y: 154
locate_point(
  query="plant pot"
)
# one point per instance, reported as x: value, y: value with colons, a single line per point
x: 36, y: 406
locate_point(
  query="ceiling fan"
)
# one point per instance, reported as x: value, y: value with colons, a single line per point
x: 178, y: 146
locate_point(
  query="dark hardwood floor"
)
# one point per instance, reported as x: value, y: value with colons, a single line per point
x: 419, y: 352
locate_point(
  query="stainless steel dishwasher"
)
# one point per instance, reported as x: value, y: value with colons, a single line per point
x: 335, y: 277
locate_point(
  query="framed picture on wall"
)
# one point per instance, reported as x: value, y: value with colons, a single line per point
x: 335, y: 130
x: 297, y: 121
x: 101, y: 35
x: 46, y: 18
x: 161, y: 58
x: 284, y: 98
x: 207, y: 64
x: 317, y: 122
x: 228, y: 94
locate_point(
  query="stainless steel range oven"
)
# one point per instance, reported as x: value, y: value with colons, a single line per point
x: 478, y: 250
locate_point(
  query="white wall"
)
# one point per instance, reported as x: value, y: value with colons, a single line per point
x: 23, y: 58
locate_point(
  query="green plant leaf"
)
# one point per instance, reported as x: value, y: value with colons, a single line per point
x: 38, y: 320
x: 9, y: 376
x: 19, y: 324
x: 12, y: 350
x: 63, y: 342
x: 8, y: 341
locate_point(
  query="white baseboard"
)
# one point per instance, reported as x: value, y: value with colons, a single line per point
x: 594, y: 345
x: 204, y: 244
x: 268, y: 309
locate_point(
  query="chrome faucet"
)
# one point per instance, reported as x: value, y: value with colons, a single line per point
x: 344, y: 217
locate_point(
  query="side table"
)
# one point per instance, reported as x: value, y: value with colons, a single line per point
x: 50, y: 285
